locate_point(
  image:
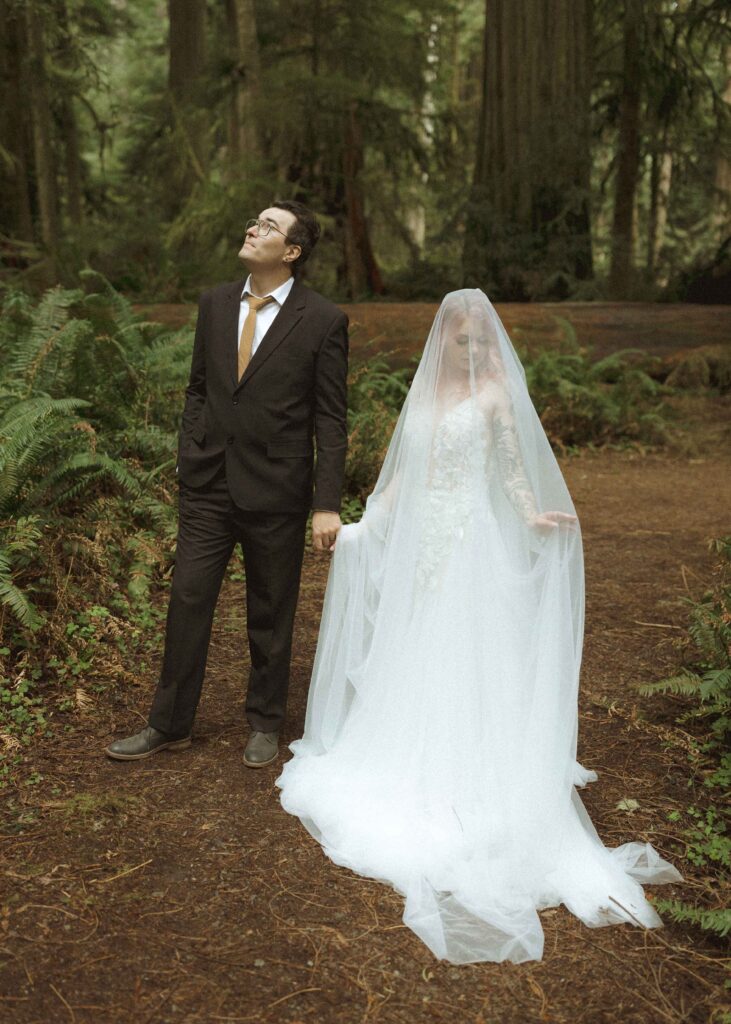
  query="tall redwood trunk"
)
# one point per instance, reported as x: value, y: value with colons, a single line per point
x: 243, y: 129
x: 529, y: 212
x: 361, y: 270
x: 722, y: 213
x: 70, y: 129
x: 46, y: 185
x: 628, y: 155
x: 15, y: 202
x: 661, y: 168
x: 186, y: 67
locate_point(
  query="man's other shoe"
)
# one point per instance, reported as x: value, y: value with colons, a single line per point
x: 144, y: 744
x: 261, y: 749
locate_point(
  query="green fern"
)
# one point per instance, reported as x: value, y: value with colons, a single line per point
x: 14, y: 598
x: 716, y: 921
x: 705, y: 684
x: 687, y: 684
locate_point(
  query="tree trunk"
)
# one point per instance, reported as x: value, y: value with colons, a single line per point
x: 722, y: 209
x: 46, y: 184
x: 69, y: 127
x: 528, y: 217
x: 661, y: 170
x: 243, y: 130
x: 628, y: 155
x: 70, y: 130
x: 361, y: 270
x: 186, y: 67
x: 15, y: 204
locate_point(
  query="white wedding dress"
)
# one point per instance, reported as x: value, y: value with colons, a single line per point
x: 439, y: 752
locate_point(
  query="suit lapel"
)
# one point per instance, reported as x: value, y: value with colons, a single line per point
x: 230, y: 325
x: 288, y: 316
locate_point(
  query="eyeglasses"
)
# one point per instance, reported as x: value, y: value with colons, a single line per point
x: 263, y: 227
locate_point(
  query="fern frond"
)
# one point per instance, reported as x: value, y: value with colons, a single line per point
x: 687, y: 684
x: 13, y: 597
x: 716, y: 921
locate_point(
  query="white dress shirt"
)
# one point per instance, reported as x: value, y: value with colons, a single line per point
x: 267, y: 314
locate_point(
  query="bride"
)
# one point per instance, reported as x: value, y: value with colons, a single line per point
x: 439, y: 752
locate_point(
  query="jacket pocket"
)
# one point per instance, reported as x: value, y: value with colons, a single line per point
x: 289, y: 449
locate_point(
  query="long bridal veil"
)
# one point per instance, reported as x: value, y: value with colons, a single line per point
x: 439, y: 752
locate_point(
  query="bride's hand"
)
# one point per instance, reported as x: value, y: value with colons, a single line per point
x: 552, y: 520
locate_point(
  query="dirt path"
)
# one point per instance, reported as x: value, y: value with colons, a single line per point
x: 401, y: 328
x: 177, y: 890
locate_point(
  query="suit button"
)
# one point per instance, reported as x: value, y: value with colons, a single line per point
x: 235, y: 400
x: 229, y: 440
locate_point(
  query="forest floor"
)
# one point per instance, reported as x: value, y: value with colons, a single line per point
x: 177, y: 889
x: 400, y: 329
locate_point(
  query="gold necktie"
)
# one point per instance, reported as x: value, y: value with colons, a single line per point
x: 247, y: 331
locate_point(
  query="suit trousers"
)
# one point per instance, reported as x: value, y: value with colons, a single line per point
x: 210, y: 525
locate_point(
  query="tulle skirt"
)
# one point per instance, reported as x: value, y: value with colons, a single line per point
x: 451, y: 774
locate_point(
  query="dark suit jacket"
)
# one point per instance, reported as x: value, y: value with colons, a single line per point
x: 263, y: 426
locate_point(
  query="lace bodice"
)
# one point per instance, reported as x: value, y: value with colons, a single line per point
x: 459, y: 447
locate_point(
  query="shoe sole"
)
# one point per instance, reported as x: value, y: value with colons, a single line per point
x: 172, y: 745
x: 261, y: 764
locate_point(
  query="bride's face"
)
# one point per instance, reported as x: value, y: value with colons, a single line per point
x: 467, y: 346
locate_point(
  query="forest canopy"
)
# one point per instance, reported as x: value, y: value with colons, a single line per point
x: 538, y: 149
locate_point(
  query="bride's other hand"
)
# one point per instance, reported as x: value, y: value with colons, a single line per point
x: 325, y: 527
x: 552, y: 520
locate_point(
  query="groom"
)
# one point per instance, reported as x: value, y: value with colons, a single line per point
x: 269, y: 369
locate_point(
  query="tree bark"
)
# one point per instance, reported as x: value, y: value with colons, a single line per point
x: 361, y: 270
x: 529, y: 212
x: 70, y: 128
x: 722, y: 211
x: 46, y: 184
x: 243, y: 130
x: 661, y: 169
x: 187, y: 48
x: 15, y: 202
x: 186, y: 68
x: 628, y: 154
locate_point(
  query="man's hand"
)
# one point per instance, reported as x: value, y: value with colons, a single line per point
x: 552, y: 520
x: 325, y: 526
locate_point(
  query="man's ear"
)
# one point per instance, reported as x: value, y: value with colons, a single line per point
x: 292, y: 253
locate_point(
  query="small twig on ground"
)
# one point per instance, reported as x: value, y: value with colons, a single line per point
x: 68, y: 1007
x: 121, y: 874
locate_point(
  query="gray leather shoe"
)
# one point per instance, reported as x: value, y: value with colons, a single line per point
x: 261, y: 749
x: 144, y: 744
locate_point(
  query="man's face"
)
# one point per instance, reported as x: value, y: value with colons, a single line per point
x: 268, y: 252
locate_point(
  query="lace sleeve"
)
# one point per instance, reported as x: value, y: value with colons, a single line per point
x: 510, y: 463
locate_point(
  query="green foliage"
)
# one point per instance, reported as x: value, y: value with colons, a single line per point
x: 580, y: 401
x: 89, y: 399
x: 375, y: 396
x: 705, y: 684
x: 717, y: 922
x: 707, y: 677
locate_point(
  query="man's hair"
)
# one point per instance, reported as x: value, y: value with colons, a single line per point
x: 304, y: 232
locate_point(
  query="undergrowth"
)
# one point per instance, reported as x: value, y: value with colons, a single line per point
x: 703, y: 687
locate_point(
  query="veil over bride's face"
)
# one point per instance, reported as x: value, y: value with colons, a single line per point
x: 470, y: 350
